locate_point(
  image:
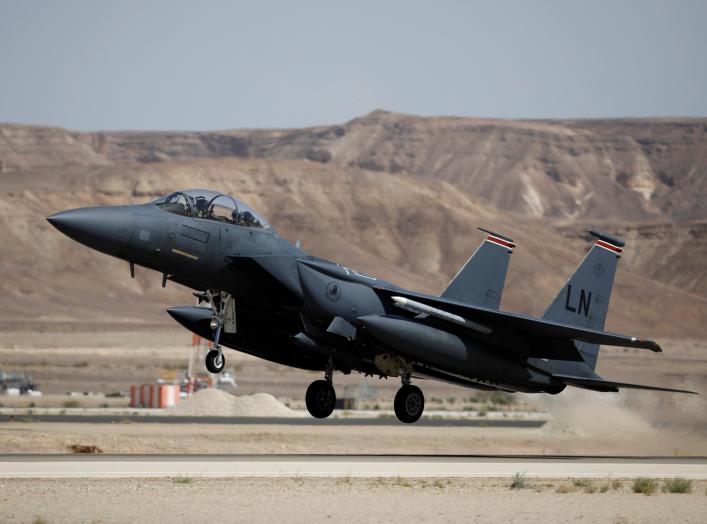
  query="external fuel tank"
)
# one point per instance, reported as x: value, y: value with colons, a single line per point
x: 442, y: 349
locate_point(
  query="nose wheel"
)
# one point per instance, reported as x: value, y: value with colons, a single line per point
x: 215, y: 361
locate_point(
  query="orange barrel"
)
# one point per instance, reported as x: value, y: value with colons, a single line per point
x: 154, y: 397
x: 168, y: 395
x: 134, y: 398
x: 143, y: 395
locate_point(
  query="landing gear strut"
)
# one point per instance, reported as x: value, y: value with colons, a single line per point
x: 409, y: 401
x: 321, y: 397
x: 219, y: 301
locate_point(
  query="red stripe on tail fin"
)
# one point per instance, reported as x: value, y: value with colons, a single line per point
x: 500, y: 241
x: 608, y: 246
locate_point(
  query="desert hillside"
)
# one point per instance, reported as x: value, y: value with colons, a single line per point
x: 628, y: 169
x: 397, y: 196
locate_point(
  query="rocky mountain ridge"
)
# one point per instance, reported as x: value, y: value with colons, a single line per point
x: 649, y: 169
x: 394, y: 195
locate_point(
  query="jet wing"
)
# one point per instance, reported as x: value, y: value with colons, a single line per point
x: 503, y: 321
x: 608, y: 385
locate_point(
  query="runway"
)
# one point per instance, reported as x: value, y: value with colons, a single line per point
x: 364, y: 466
x: 289, y: 421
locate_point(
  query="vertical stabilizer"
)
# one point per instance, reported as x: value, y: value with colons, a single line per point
x: 584, y: 299
x: 480, y: 281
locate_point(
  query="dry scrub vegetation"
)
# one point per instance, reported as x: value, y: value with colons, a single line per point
x: 355, y: 500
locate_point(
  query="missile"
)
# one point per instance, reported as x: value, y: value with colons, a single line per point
x: 423, y: 309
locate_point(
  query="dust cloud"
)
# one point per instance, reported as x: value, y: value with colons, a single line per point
x: 628, y: 414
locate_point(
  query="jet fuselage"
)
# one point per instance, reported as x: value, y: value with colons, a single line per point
x: 270, y: 299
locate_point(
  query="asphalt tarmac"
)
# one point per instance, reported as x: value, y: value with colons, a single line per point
x: 289, y: 421
x: 365, y: 466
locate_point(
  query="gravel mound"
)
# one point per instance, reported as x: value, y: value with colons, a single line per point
x: 218, y: 403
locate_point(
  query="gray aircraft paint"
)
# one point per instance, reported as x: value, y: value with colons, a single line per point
x: 302, y: 311
x: 584, y: 301
x: 481, y: 279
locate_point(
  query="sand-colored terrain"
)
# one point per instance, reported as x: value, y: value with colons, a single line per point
x: 110, y: 359
x: 393, y: 195
x: 341, y: 500
x: 580, y: 422
x: 607, y: 437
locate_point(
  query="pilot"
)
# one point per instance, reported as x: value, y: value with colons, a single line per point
x: 176, y: 203
x: 202, y: 207
x: 248, y: 219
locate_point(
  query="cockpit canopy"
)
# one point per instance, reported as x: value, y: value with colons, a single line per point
x: 202, y: 203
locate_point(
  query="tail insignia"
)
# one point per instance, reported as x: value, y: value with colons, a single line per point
x: 585, y: 298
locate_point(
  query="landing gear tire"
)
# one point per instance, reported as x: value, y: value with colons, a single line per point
x: 320, y: 399
x: 409, y: 404
x: 215, y: 361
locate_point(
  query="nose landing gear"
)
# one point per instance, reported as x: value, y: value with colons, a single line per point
x: 409, y: 401
x: 222, y: 313
x: 321, y: 396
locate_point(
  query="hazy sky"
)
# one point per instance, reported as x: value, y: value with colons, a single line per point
x: 225, y: 64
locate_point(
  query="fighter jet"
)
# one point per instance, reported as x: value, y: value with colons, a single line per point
x: 267, y: 297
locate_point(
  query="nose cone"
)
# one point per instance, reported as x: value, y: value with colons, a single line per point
x: 107, y: 229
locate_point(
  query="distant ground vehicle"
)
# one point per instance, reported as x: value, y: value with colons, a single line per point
x: 20, y: 382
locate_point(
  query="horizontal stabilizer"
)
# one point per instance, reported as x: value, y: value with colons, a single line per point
x: 607, y: 385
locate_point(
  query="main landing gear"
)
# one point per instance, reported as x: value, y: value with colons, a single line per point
x: 321, y: 397
x: 219, y: 302
x: 409, y: 401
